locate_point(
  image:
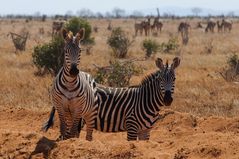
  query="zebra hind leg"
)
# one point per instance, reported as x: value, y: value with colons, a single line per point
x: 89, y: 132
x: 131, y: 135
x: 144, y: 135
x: 89, y: 129
x: 131, y: 132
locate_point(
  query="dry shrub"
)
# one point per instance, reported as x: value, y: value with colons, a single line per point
x: 48, y: 58
x: 208, y: 46
x: 118, y: 74
x: 119, y: 42
x: 231, y: 72
x: 19, y: 41
x: 169, y: 46
x: 150, y: 46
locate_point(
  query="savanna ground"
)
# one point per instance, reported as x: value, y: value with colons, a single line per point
x: 202, y: 122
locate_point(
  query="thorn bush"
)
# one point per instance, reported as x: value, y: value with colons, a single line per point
x: 119, y: 42
x: 150, y: 46
x: 49, y: 57
x: 231, y: 73
x: 169, y: 46
x: 118, y: 74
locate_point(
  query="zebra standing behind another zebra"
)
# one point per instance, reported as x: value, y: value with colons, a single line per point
x: 73, y: 92
x: 136, y: 109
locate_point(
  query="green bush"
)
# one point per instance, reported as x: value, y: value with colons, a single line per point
x: 231, y: 73
x: 170, y: 46
x: 119, y: 42
x: 118, y: 74
x: 233, y: 62
x: 49, y: 56
x: 150, y: 46
x: 75, y: 24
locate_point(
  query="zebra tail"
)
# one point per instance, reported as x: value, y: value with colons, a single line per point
x: 50, y: 121
x: 81, y: 124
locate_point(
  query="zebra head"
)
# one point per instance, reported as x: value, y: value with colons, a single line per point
x: 167, y: 79
x: 72, y: 51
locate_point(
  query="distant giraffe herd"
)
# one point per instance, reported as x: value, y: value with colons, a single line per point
x: 222, y: 26
x: 146, y: 27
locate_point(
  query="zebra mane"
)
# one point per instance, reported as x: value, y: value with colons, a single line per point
x: 70, y: 35
x: 149, y: 78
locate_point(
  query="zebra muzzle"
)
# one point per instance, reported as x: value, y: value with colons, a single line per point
x: 74, y: 70
x: 168, y: 98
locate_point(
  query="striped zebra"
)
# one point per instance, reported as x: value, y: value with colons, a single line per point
x: 73, y: 93
x: 135, y: 109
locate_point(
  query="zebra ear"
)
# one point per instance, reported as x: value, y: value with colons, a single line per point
x: 80, y: 35
x: 176, y: 62
x: 159, y: 63
x: 64, y: 33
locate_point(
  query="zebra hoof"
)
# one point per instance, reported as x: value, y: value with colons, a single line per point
x: 89, y: 139
x: 60, y: 138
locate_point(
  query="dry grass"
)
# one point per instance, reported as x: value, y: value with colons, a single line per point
x: 200, y: 89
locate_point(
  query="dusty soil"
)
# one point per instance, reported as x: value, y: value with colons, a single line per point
x: 177, y: 136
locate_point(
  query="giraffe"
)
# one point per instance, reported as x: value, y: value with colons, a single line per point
x: 227, y: 25
x: 210, y: 26
x: 157, y: 24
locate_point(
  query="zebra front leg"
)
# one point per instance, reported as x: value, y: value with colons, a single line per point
x: 74, y: 132
x: 89, y: 132
x: 131, y: 132
x: 62, y: 135
x: 131, y: 135
x: 90, y: 123
x: 63, y: 125
x: 144, y: 135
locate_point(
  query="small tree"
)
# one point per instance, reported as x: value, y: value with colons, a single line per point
x: 150, y: 46
x: 170, y: 46
x: 118, y: 74
x: 49, y: 57
x: 119, y: 42
x: 196, y: 11
x: 118, y: 13
x: 75, y: 24
x: 231, y: 73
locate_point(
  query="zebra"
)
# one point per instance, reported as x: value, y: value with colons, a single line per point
x: 73, y: 93
x: 134, y: 109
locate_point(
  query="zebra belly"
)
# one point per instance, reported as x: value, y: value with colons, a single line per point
x: 110, y: 121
